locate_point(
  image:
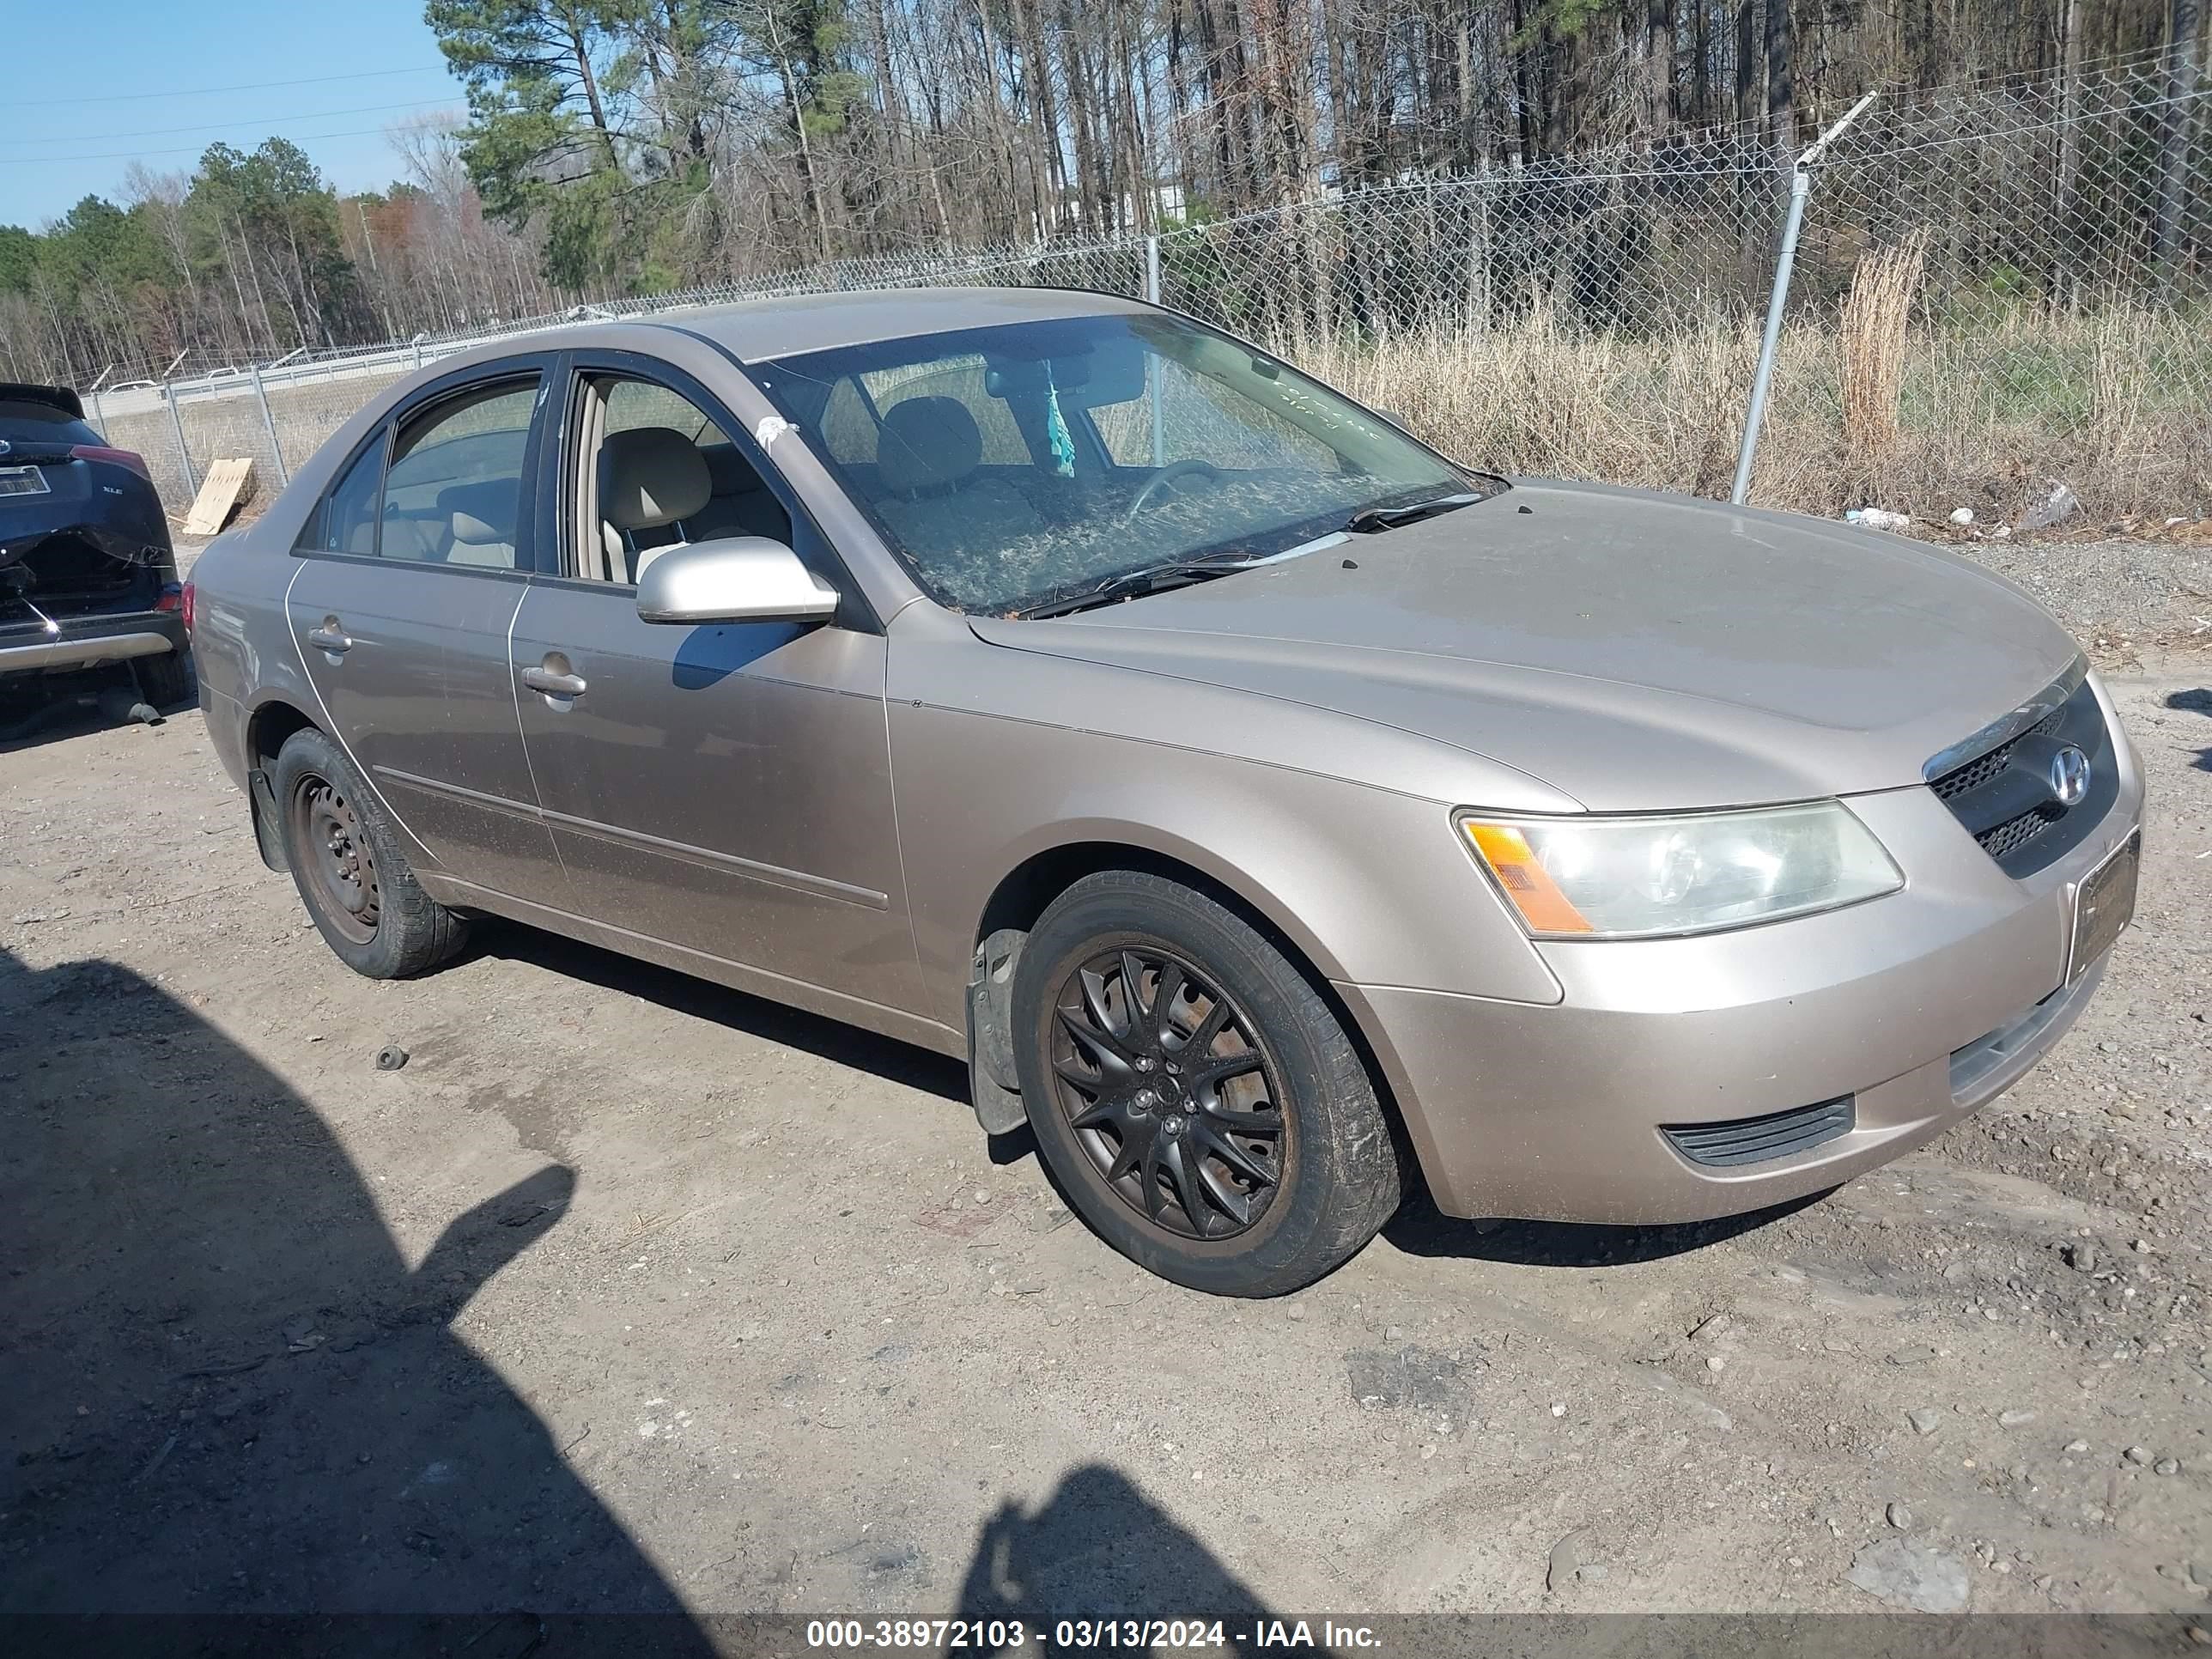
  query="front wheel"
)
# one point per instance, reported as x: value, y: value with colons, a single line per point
x: 351, y: 871
x: 1198, y: 1100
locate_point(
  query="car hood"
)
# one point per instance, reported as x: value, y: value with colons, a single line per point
x: 1637, y: 651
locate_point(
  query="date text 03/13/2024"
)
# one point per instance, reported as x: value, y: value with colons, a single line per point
x: 1083, y: 1635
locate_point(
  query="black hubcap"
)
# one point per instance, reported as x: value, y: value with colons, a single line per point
x: 1170, y: 1091
x: 339, y: 865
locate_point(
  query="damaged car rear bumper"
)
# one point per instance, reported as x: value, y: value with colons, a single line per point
x: 88, y: 642
x: 75, y: 595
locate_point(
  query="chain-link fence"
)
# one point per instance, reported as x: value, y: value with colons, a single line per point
x: 1598, y: 316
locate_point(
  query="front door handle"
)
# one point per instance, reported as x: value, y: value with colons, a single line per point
x: 330, y: 637
x: 552, y: 682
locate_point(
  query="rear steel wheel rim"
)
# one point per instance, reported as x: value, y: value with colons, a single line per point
x: 1170, y: 1091
x: 340, y: 866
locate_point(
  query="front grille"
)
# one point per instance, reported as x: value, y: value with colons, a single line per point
x: 2001, y: 792
x: 1981, y: 769
x: 2008, y: 837
x: 1758, y: 1139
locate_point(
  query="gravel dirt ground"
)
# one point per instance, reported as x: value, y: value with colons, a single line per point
x: 625, y: 1291
x: 2121, y: 597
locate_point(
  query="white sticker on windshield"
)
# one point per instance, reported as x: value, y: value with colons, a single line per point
x: 771, y: 428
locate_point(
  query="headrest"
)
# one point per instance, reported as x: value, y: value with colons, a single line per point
x: 927, y: 443
x: 482, y: 512
x: 651, y: 475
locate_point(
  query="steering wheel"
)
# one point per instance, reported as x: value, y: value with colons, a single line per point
x: 1168, y: 476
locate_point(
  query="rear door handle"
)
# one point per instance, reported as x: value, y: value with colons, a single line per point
x: 330, y: 637
x: 553, y: 684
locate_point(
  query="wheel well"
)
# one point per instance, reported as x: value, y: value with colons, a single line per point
x: 1031, y: 886
x: 1022, y: 896
x: 272, y: 723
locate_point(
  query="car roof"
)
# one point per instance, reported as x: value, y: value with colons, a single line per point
x: 754, y: 330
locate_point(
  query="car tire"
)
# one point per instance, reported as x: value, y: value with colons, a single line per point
x: 1251, y: 1168
x: 347, y: 863
x: 167, y: 680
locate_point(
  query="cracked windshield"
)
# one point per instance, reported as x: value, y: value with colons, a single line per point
x: 1010, y: 465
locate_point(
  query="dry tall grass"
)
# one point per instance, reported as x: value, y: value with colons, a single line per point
x: 1540, y: 397
x: 2117, y: 401
x: 1876, y: 315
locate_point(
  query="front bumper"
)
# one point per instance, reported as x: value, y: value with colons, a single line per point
x: 1556, y: 1112
x: 88, y: 641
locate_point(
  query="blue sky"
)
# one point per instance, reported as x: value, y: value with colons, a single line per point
x: 68, y: 128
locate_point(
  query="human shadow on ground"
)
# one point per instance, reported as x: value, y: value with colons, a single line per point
x: 1099, y: 1550
x: 228, y: 1395
x: 2198, y: 699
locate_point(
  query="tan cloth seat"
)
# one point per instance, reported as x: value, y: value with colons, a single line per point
x: 412, y: 537
x: 480, y: 517
x: 651, y: 478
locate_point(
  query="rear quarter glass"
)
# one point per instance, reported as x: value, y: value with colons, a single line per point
x: 36, y: 423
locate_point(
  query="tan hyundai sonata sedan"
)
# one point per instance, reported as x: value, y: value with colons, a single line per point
x: 1270, y: 810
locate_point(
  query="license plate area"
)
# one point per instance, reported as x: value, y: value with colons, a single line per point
x: 2103, y: 905
x: 22, y: 481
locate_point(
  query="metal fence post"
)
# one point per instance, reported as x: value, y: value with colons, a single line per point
x: 1801, y: 186
x: 269, y: 424
x: 177, y: 427
x: 1152, y: 293
x: 1479, y: 257
x: 1801, y: 183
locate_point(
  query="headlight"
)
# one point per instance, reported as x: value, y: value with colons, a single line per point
x: 1632, y: 877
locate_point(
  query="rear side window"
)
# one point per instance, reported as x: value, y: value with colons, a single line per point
x: 42, y: 423
x: 453, y: 491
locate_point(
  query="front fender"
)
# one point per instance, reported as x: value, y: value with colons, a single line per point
x: 1373, y: 887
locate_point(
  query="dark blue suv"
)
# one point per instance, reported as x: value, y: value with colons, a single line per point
x: 87, y: 575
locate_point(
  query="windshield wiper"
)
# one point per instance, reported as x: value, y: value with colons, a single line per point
x: 1370, y: 519
x: 1150, y: 579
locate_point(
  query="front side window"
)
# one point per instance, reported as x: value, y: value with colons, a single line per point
x: 655, y: 470
x: 1011, y: 464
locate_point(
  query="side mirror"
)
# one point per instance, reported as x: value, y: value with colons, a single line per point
x: 1395, y: 418
x: 734, y: 579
